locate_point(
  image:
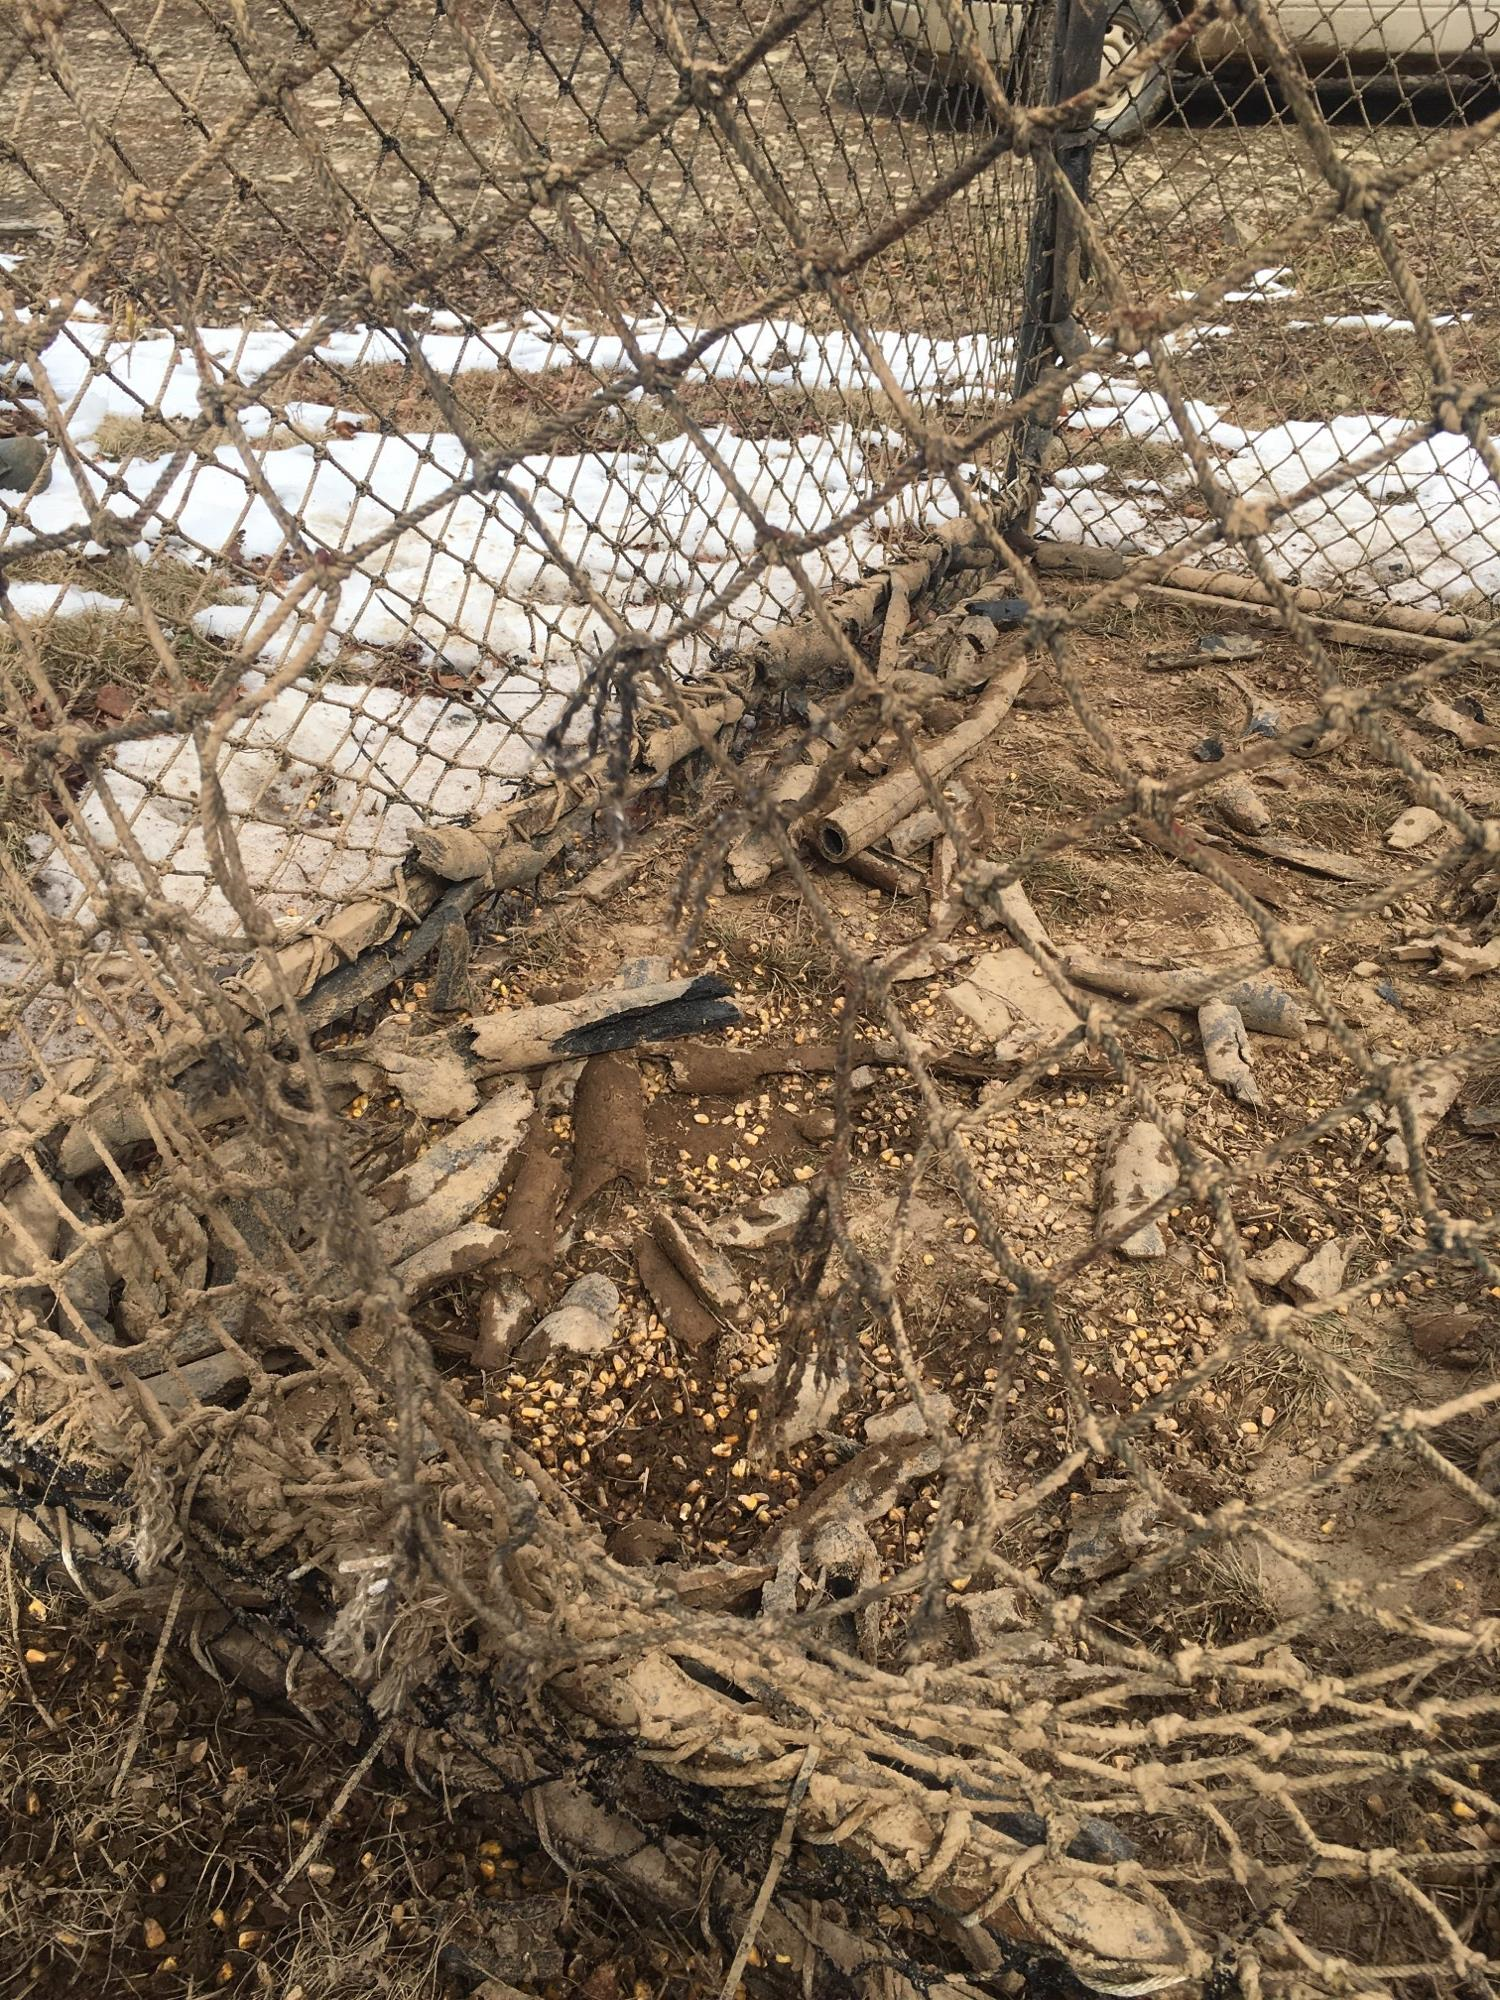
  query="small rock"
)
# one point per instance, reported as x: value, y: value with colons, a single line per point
x: 1441, y: 1336
x: 904, y: 1420
x: 1229, y: 645
x: 1322, y: 1274
x: 641, y: 1543
x: 1276, y: 1262
x: 501, y: 1312
x: 1209, y: 751
x: 582, y: 1322
x: 21, y: 462
x: 773, y: 1217
x: 1366, y: 969
x: 594, y: 1293
x: 1416, y: 824
x: 1287, y: 1586
x: 1237, y: 801
x: 818, y: 1126
x: 988, y: 1615
x: 571, y: 1329
x: 1006, y: 612
x: 1433, y: 1095
x: 1108, y: 1533
x: 645, y: 971
x: 813, y: 1405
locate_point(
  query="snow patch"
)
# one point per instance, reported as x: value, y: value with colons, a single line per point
x: 39, y: 602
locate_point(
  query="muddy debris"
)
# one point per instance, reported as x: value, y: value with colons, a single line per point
x: 609, y: 1130
x: 686, y: 1240
x: 1140, y: 1172
x: 1451, y: 1338
x: 1265, y: 1007
x: 705, y: 1069
x: 434, y: 1078
x: 503, y: 1311
x: 1226, y: 1051
x: 682, y: 1312
x: 1010, y: 999
x: 529, y: 1250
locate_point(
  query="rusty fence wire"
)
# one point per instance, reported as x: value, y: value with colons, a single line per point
x: 750, y: 883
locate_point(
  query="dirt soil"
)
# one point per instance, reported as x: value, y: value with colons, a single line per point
x: 654, y: 1431
x: 166, y: 1885
x: 187, y: 1848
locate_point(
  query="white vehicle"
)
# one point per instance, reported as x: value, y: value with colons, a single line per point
x: 1337, y: 39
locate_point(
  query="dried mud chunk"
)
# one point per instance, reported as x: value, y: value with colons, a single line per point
x: 685, y: 1316
x: 609, y: 1130
x: 1140, y: 1171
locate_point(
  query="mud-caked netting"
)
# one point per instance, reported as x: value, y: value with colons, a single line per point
x: 750, y: 869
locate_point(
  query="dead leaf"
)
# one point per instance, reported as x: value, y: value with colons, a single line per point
x: 1436, y: 1336
x: 113, y: 701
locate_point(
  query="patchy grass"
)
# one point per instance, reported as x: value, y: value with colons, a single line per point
x: 1061, y: 888
x: 1140, y: 458
x: 510, y: 409
x: 110, y: 657
x: 125, y: 438
x: 98, y: 666
x: 1352, y: 816
x: 174, y: 590
x: 790, y: 956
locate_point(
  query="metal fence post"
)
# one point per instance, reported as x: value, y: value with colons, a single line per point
x: 1053, y: 256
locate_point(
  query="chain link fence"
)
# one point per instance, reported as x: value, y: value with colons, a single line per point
x: 749, y: 857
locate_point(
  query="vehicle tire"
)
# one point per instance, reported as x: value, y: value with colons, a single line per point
x: 1131, y: 23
